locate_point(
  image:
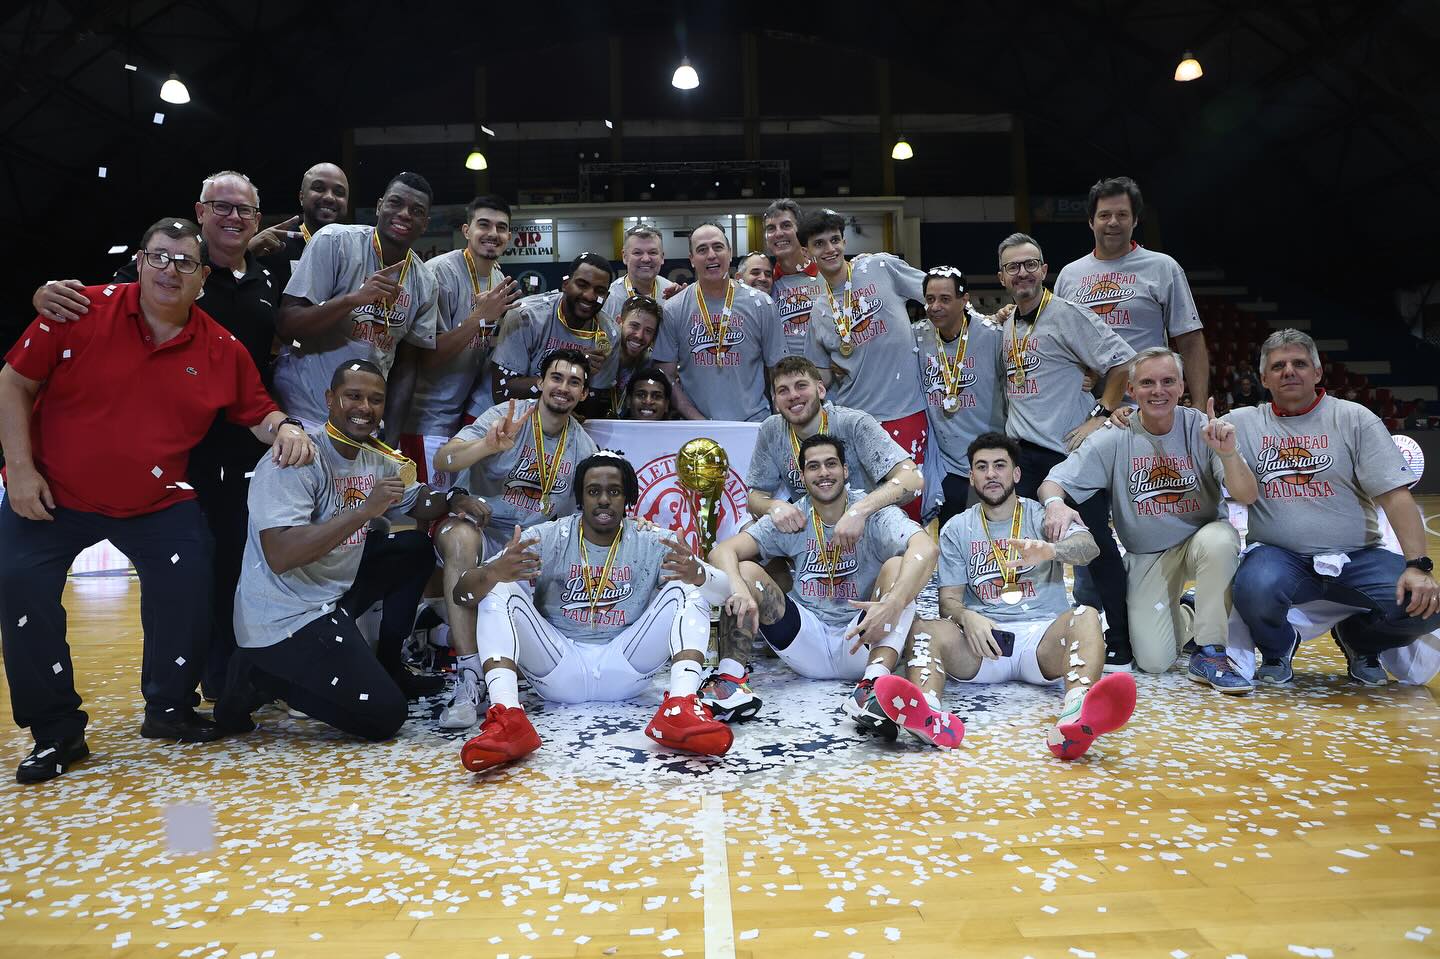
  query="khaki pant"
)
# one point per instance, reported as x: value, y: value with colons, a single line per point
x: 1156, y: 580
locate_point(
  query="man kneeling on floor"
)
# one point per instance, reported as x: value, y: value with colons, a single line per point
x: 312, y: 565
x: 1006, y: 615
x: 843, y: 600
x: 612, y: 602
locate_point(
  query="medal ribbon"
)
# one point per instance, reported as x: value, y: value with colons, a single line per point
x: 795, y: 440
x: 842, y: 311
x: 549, y: 472
x: 595, y: 586
x: 830, y: 555
x: 597, y: 335
x: 951, y: 374
x: 717, y: 331
x: 1006, y: 571
x: 630, y: 288
x: 375, y: 446
x: 1018, y: 346
x: 484, y: 331
x: 305, y: 233
x: 380, y: 258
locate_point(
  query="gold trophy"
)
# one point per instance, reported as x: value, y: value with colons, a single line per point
x: 701, y: 467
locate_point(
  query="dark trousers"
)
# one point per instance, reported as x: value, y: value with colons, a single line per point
x: 325, y: 669
x: 957, y: 496
x: 1107, y: 570
x: 1272, y: 580
x: 217, y: 470
x: 171, y: 550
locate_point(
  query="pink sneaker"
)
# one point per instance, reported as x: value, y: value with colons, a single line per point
x: 1105, y: 709
x: 905, y: 705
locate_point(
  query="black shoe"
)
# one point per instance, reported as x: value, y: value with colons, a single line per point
x: 50, y: 758
x: 417, y: 686
x: 185, y: 726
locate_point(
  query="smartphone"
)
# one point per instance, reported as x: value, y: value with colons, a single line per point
x: 1005, y: 640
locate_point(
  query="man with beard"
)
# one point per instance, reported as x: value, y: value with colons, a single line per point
x: 794, y: 286
x: 718, y: 338
x: 1164, y: 472
x: 643, y: 253
x: 639, y: 325
x: 757, y: 272
x: 521, y: 457
x: 842, y: 599
x: 860, y: 336
x: 956, y: 349
x: 359, y: 292
x: 1047, y: 346
x: 239, y: 294
x: 1005, y: 613
x: 473, y: 294
x: 1324, y: 466
x: 98, y: 419
x: 324, y: 199
x: 613, y: 602
x: 311, y: 567
x: 883, y: 473
x: 648, y: 397
x: 567, y: 318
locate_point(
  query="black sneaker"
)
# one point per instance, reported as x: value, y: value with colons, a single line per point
x: 1363, y: 667
x: 181, y: 725
x: 417, y: 685
x: 1277, y: 670
x: 1119, y: 659
x: 50, y: 758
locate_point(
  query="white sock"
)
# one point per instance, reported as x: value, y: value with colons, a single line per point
x: 875, y: 670
x: 731, y: 667
x: 470, y: 662
x: 684, y: 677
x: 504, y: 686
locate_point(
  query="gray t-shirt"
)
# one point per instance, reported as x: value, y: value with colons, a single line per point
x: 564, y: 589
x: 966, y: 559
x: 270, y: 606
x: 442, y: 392
x: 886, y: 533
x: 1143, y: 295
x: 1162, y: 488
x: 1319, y: 473
x: 977, y: 406
x: 533, y: 328
x: 338, y: 260
x: 1050, y: 402
x: 728, y: 385
x: 619, y: 293
x: 879, y: 375
x: 794, y: 295
x: 870, y: 452
x: 510, y: 481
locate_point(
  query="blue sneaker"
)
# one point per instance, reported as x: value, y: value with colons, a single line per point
x: 1209, y: 664
x: 1275, y: 670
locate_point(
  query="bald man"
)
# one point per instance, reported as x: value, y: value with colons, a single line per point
x: 324, y: 199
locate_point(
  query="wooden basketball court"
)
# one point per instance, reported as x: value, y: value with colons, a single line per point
x: 1294, y: 822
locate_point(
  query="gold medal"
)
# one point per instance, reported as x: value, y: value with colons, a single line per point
x: 950, y: 404
x: 408, y: 471
x: 549, y: 471
x: 1010, y: 596
x: 1010, y: 591
x: 846, y: 346
x: 717, y: 330
x: 844, y: 319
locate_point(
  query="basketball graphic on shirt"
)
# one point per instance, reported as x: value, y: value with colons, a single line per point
x: 352, y: 498
x: 1167, y: 478
x: 1283, y: 459
x: 1104, y: 295
x: 1294, y: 456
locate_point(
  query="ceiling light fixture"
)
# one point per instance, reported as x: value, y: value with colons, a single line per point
x: 901, y: 150
x: 476, y: 161
x: 173, y: 91
x: 685, y: 77
x: 1188, y: 69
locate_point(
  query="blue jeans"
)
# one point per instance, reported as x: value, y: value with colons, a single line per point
x: 1271, y: 580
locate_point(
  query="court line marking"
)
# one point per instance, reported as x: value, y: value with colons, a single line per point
x: 719, y: 922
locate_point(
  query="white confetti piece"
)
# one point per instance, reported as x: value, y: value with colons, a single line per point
x: 57, y: 669
x: 364, y: 697
x: 157, y: 472
x: 23, y: 620
x: 749, y: 934
x: 892, y: 933
x: 179, y: 660
x: 174, y: 558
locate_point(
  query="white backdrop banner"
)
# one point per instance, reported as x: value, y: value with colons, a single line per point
x: 651, y: 448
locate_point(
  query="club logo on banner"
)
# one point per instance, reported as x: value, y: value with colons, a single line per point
x: 652, y: 447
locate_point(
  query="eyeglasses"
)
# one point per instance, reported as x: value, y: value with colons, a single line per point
x: 222, y: 208
x: 159, y: 259
x: 1029, y: 266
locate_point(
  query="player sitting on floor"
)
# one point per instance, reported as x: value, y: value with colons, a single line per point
x: 844, y: 598
x: 612, y: 602
x: 1006, y: 615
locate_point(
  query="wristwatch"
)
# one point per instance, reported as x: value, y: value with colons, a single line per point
x: 291, y: 421
x: 455, y: 491
x: 1099, y: 409
x: 1424, y: 564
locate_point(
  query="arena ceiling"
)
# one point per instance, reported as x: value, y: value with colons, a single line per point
x: 1311, y: 144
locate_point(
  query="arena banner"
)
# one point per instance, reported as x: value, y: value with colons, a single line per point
x: 651, y: 447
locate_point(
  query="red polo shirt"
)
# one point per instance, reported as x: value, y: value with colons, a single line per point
x: 117, y: 416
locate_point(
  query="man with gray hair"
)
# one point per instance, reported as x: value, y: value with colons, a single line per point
x: 1164, y: 473
x: 1045, y: 349
x: 794, y: 285
x: 643, y: 253
x: 1324, y: 466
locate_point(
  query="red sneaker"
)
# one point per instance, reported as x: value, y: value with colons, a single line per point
x: 683, y: 722
x: 1104, y: 709
x: 905, y: 705
x: 505, y: 734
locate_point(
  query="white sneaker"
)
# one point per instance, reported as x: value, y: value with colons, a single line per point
x: 463, y: 710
